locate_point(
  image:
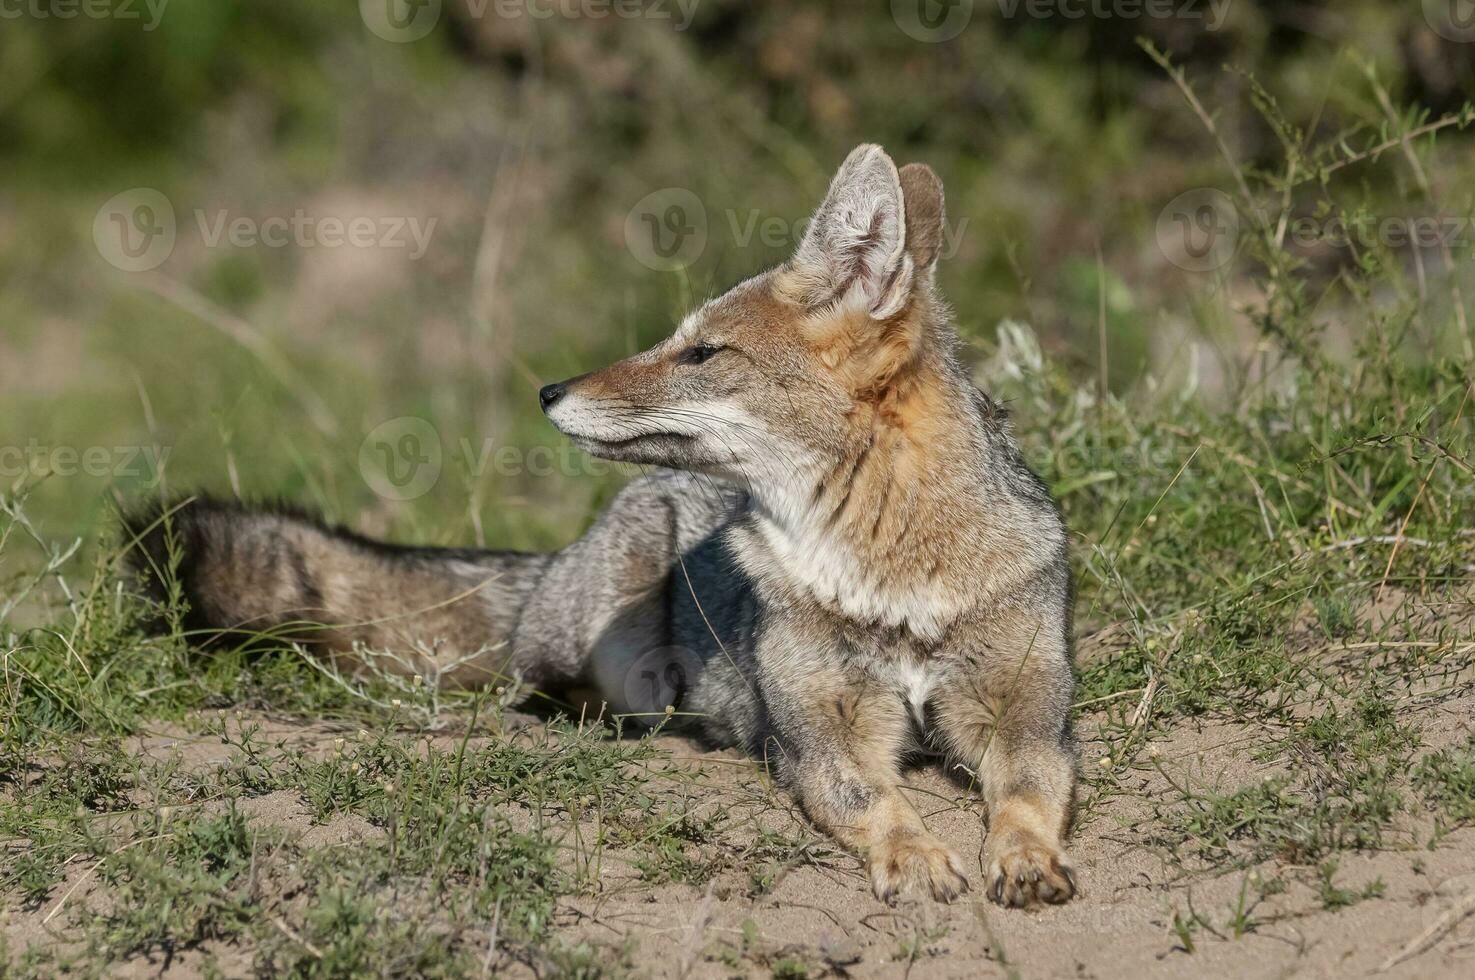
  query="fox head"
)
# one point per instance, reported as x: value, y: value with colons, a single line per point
x: 783, y: 379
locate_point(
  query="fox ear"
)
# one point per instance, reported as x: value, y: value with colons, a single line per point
x: 921, y: 191
x: 854, y: 251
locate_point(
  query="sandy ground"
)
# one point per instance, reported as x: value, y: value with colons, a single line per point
x: 820, y: 912
x: 1120, y: 926
x: 823, y: 915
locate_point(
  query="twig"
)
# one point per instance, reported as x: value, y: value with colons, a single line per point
x: 1144, y: 708
x: 1418, y: 437
x: 694, y: 933
x: 88, y: 874
x: 1413, y: 134
x: 253, y: 340
x: 1406, y: 144
x: 492, y: 939
x: 1437, y: 931
x: 1245, y: 461
x: 291, y: 934
x: 1373, y: 539
x: 1108, y: 697
x: 1181, y: 80
x: 1104, y: 367
x: 1423, y: 484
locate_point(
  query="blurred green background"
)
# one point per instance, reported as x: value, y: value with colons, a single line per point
x: 527, y: 132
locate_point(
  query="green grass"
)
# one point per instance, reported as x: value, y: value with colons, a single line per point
x: 1447, y: 781
x: 1269, y: 550
x: 183, y: 865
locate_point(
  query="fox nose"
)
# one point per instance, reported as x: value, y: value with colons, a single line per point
x: 549, y: 394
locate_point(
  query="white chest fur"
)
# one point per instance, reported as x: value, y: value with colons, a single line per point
x: 833, y: 575
x: 914, y: 682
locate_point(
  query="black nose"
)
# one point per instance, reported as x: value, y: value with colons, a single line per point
x: 549, y: 394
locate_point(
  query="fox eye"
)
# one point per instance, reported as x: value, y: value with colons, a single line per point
x: 699, y: 353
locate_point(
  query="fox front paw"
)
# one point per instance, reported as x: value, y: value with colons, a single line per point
x: 1027, y: 871
x: 913, y: 865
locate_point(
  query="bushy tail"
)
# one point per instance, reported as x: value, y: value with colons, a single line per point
x: 243, y: 572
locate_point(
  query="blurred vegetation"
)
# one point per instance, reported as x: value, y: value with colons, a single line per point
x: 528, y: 140
x: 1270, y: 496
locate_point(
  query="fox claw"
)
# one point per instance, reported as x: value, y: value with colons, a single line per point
x: 1029, y: 873
x: 914, y: 865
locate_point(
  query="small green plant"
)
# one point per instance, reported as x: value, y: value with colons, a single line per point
x: 1334, y: 898
x: 178, y: 882
x: 1446, y: 779
x: 788, y: 968
x: 1241, y: 916
x: 1183, y: 927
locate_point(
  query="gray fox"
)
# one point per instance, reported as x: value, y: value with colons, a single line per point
x: 841, y: 558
